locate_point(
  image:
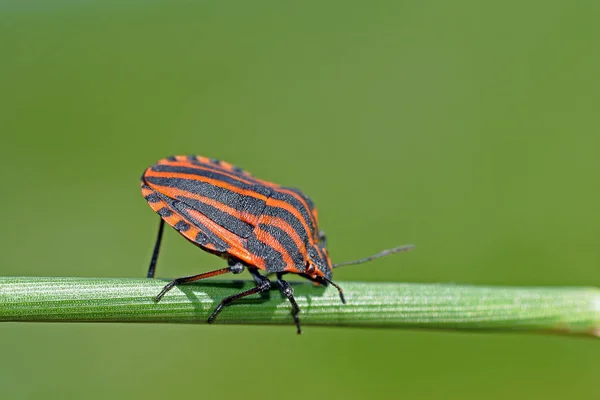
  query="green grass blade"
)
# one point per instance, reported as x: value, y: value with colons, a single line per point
x: 573, y: 310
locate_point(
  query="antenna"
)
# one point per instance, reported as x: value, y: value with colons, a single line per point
x: 338, y: 288
x: 380, y: 254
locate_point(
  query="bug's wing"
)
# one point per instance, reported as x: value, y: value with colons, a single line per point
x: 209, y: 203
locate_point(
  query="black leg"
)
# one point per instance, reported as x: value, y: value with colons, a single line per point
x: 152, y: 268
x: 262, y: 285
x: 322, y: 239
x: 235, y: 268
x: 288, y: 292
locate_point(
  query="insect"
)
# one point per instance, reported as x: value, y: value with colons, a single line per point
x: 249, y: 222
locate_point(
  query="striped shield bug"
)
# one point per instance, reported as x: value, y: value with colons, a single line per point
x: 249, y: 222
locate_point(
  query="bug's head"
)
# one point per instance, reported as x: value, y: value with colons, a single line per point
x: 318, y: 264
x: 319, y: 267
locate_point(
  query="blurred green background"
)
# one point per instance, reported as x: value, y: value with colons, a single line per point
x: 468, y: 128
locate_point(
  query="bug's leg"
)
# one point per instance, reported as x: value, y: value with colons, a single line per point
x: 152, y: 267
x: 262, y: 285
x: 288, y: 292
x: 235, y: 268
x: 322, y: 239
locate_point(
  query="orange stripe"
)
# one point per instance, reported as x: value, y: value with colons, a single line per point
x: 299, y: 198
x: 213, y: 182
x: 226, y: 165
x: 324, y: 255
x: 183, y: 161
x: 316, y: 216
x: 266, y: 183
x: 269, y: 240
x: 241, y: 215
x: 237, y: 249
x: 270, y: 201
x: 237, y: 244
x: 287, y: 228
x: 284, y: 226
x: 286, y: 206
x: 212, y: 167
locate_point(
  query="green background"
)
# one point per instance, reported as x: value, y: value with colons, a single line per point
x: 466, y: 127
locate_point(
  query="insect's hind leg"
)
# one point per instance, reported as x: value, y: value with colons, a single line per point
x: 234, y: 267
x: 262, y: 285
x: 288, y: 292
x: 152, y: 267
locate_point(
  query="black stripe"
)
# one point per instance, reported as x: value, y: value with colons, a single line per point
x: 235, y: 170
x: 272, y: 258
x: 203, y: 240
x: 171, y: 158
x: 182, y: 226
x: 286, y: 242
x: 227, y: 221
x: 214, y: 167
x: 317, y: 254
x: 290, y: 219
x: 300, y: 193
x: 219, y: 175
x: 261, y: 189
x: 215, y: 161
x: 205, y: 236
x: 152, y: 198
x: 238, y: 201
x: 294, y: 202
x: 164, y: 212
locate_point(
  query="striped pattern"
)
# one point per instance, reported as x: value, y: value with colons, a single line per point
x: 228, y: 212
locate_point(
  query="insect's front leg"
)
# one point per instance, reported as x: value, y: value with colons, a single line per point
x: 288, y: 292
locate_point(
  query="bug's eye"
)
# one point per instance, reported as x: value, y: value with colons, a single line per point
x: 310, y: 268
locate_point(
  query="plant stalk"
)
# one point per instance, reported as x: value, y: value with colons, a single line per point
x: 567, y: 310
